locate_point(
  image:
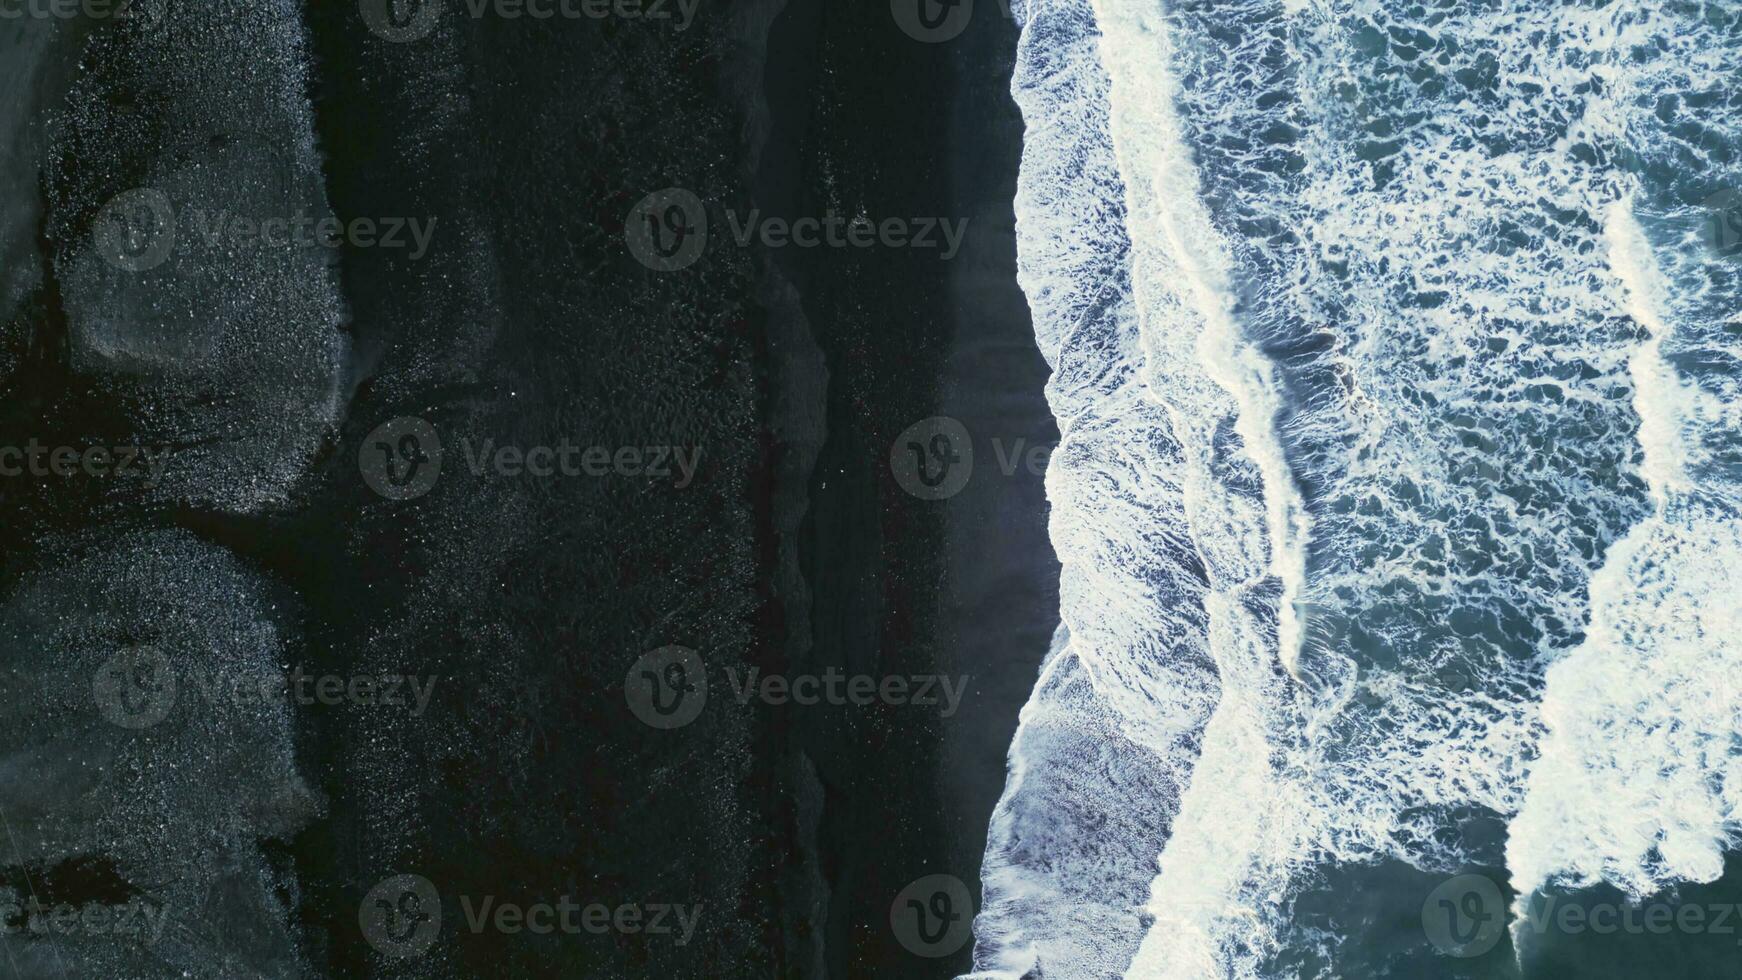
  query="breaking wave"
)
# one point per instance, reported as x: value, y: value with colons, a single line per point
x: 1395, y: 354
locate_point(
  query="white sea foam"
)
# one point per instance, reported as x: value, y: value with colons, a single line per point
x: 1354, y: 309
x: 1640, y: 780
x: 1658, y: 394
x: 1109, y: 739
x: 1216, y: 878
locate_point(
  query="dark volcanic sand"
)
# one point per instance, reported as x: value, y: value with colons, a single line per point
x: 794, y: 550
x: 897, y: 584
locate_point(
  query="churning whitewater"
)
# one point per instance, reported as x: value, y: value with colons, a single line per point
x: 1398, y: 360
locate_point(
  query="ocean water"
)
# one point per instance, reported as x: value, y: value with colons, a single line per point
x: 1399, y: 498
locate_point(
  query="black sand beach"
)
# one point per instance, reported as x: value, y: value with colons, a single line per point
x: 792, y: 549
